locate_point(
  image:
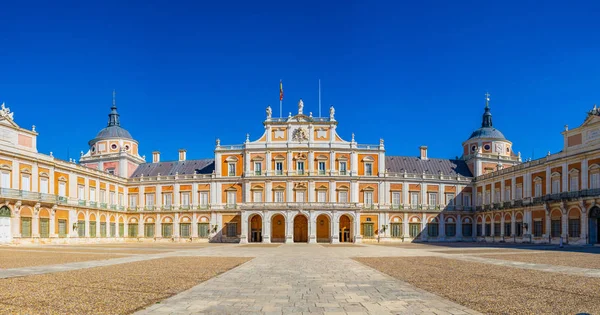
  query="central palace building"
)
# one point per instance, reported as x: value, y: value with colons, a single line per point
x: 300, y: 182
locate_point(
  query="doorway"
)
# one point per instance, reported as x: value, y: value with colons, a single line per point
x: 300, y: 229
x: 594, y: 224
x: 256, y: 229
x: 5, y: 235
x: 323, y: 227
x: 345, y: 234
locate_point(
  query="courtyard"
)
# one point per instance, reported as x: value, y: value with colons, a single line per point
x: 191, y: 278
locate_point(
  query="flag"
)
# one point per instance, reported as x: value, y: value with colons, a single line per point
x: 280, y: 90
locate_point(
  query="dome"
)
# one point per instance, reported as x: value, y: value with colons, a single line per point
x: 113, y: 129
x: 487, y: 133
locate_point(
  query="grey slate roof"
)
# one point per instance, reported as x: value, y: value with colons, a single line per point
x: 414, y: 165
x: 204, y: 166
x: 487, y: 133
x: 113, y: 132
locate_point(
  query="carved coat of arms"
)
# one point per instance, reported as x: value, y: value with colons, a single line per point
x: 300, y: 134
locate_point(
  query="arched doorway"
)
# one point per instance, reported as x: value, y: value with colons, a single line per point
x: 277, y: 229
x: 5, y: 235
x: 300, y: 229
x: 323, y: 229
x: 594, y: 224
x: 255, y: 229
x: 345, y: 234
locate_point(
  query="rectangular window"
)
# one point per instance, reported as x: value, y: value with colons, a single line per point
x: 368, y: 198
x: 414, y: 198
x: 44, y: 185
x: 279, y: 196
x: 488, y: 229
x: 231, y: 198
x: 432, y: 199
x: 132, y: 230
x: 497, y: 195
x: 507, y: 229
x: 479, y: 199
x: 343, y: 196
x: 479, y: 230
x: 257, y: 168
x: 93, y: 228
x: 343, y: 168
x: 574, y: 183
x: 62, y: 228
x: 322, y: 196
x: 396, y: 229
x: 451, y: 229
x: 519, y: 193
x: 368, y: 230
x: 204, y: 198
x: 168, y: 199
x: 538, y: 189
x: 102, y: 196
x: 467, y: 229
x: 497, y: 228
x: 519, y: 229
x: 467, y: 200
x: 121, y: 197
x: 450, y: 199
x: 44, y: 227
x: 113, y: 199
x: 433, y: 229
x: 574, y: 228
x: 81, y: 228
x: 122, y: 229
x: 368, y: 169
x: 231, y: 229
x: 299, y: 195
x: 395, y: 198
x: 185, y: 199
x: 80, y: 192
x: 414, y: 229
x: 133, y: 201
x: 231, y: 169
x: 92, y: 194
x: 150, y: 200
x: 167, y: 230
x: 62, y: 189
x: 25, y: 182
x: 278, y: 168
x: 203, y: 230
x: 25, y: 227
x: 556, y: 185
x: 555, y: 228
x: 594, y: 180
x: 300, y: 167
x: 185, y: 230
x: 507, y: 193
x: 322, y: 169
x: 113, y: 229
x: 537, y: 228
x: 4, y: 179
x: 258, y: 196
x: 149, y: 230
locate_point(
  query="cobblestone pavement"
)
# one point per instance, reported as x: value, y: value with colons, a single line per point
x: 294, y: 279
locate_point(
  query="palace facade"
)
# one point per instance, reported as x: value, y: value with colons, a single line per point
x: 299, y: 182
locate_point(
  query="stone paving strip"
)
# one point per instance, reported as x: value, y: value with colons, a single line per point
x: 117, y: 289
x: 20, y: 259
x: 494, y: 289
x: 569, y: 259
x: 303, y: 278
x: 576, y: 271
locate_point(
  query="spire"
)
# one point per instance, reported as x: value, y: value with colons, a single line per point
x: 113, y: 117
x: 487, y: 116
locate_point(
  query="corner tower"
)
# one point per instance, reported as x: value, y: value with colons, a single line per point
x: 113, y: 150
x: 487, y: 150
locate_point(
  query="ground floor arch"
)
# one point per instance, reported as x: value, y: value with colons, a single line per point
x: 5, y: 235
x: 323, y: 229
x: 346, y: 228
x: 594, y: 225
x: 255, y: 229
x: 277, y: 229
x: 300, y: 229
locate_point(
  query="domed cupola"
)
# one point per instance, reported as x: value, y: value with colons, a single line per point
x: 111, y: 146
x: 487, y: 130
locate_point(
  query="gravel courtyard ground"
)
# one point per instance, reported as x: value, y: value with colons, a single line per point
x: 557, y: 258
x: 494, y: 289
x: 23, y: 258
x: 118, y: 289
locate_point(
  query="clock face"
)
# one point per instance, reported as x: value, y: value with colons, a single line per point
x: 498, y: 147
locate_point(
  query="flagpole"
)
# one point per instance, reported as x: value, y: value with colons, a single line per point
x: 280, y: 114
x: 280, y: 99
x: 319, y: 97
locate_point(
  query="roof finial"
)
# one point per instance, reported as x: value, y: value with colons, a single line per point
x: 113, y: 117
x: 487, y: 99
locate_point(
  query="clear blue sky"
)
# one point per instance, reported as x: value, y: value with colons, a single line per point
x: 413, y: 73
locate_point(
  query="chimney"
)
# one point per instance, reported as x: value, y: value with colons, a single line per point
x: 155, y: 157
x: 182, y: 154
x: 423, y: 149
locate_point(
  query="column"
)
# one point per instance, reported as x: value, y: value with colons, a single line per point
x: 15, y: 221
x: 311, y: 163
x: 513, y: 187
x: 266, y: 231
x: 244, y: 236
x: 35, y: 222
x: 354, y: 163
x: 331, y: 162
x: 289, y: 191
x: 335, y: 231
x: 332, y: 197
x: 502, y: 188
x: 312, y: 227
x: 176, y: 226
x: 492, y: 227
x: 311, y: 191
x: 289, y: 231
x: 565, y: 225
x: 176, y: 198
x: 125, y: 227
x: 268, y: 191
x: 459, y: 227
x: 87, y: 224
x: 354, y: 191
x: 357, y: 236
x: 584, y: 225
x: 194, y: 225
x: 502, y: 225
x: 141, y: 226
x: 584, y: 174
x: 565, y: 178
x: 268, y: 163
x: 424, y: 233
x: 513, y: 224
x: 442, y: 226
x: 290, y: 167
x: 405, y: 200
x: 405, y: 231
x: 158, y: 227
x: 53, y: 222
x: 548, y: 180
x: 547, y: 224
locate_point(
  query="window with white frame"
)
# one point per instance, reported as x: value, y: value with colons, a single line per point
x: 368, y: 197
x: 204, y: 198
x: 556, y: 184
x: 257, y: 168
x: 519, y: 192
x: 467, y: 200
x: 507, y: 193
x: 121, y: 197
x: 488, y: 195
x: 497, y: 195
x: 167, y: 199
x: 537, y: 191
x: 300, y: 167
x: 278, y: 168
x: 322, y: 195
x: 4, y: 179
x: 185, y: 199
x: 102, y: 196
x: 231, y: 196
x: 299, y: 195
x: 595, y: 180
x: 80, y: 192
x: 44, y: 185
x: 574, y: 180
x: 113, y: 199
x: 279, y: 196
x: 257, y: 196
x: 343, y: 167
x: 414, y: 198
x: 231, y: 169
x: 149, y: 200
x: 432, y: 198
x: 93, y: 194
x: 368, y: 169
x: 62, y: 189
x: 25, y: 182
x: 450, y: 199
x: 322, y: 168
x: 343, y: 196
x: 479, y: 199
x: 395, y: 198
x: 133, y: 201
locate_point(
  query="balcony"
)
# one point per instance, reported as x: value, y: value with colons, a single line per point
x: 103, y: 205
x: 298, y: 205
x: 113, y: 207
x: 507, y: 204
x: 203, y: 207
x: 93, y: 204
x: 167, y: 207
x: 149, y: 208
x: 397, y: 207
x: 184, y: 207
x: 81, y: 202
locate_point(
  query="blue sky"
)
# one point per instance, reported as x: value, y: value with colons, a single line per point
x: 187, y: 73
